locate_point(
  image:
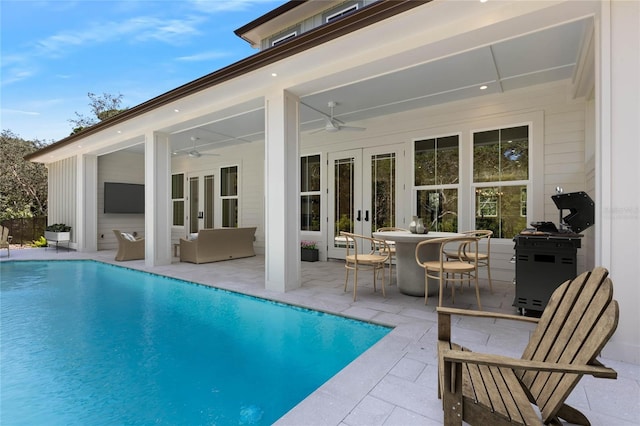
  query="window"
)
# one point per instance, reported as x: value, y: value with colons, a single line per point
x: 310, y: 192
x: 340, y: 13
x: 501, y: 180
x: 436, y: 180
x: 229, y: 196
x: 177, y: 199
x: 283, y: 38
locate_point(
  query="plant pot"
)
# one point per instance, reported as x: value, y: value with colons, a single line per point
x: 57, y: 236
x: 309, y: 255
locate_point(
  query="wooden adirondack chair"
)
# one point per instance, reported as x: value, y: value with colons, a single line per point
x: 482, y: 389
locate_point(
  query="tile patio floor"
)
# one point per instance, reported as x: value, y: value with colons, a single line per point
x: 393, y: 383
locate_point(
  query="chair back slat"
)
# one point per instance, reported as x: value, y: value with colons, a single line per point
x: 577, y: 322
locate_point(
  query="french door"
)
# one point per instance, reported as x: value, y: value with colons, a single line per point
x: 200, y: 201
x: 363, y: 193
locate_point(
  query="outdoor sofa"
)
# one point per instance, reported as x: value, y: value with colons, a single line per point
x: 214, y: 245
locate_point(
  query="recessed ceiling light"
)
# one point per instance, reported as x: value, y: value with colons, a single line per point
x: 274, y: 74
x: 483, y: 87
x: 176, y: 110
x: 483, y: 1
x: 119, y: 131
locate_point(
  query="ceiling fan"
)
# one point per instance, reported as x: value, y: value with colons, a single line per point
x: 194, y: 153
x: 332, y: 124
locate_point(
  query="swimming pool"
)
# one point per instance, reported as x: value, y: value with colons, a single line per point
x: 83, y: 342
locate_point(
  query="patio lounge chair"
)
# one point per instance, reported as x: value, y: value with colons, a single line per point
x: 129, y: 249
x: 5, y: 240
x: 489, y: 389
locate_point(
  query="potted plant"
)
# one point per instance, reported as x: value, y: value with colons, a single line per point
x: 58, y: 232
x: 309, y: 251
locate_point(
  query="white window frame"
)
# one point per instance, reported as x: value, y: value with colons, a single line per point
x: 318, y: 192
x: 183, y: 199
x: 466, y: 189
x: 220, y: 206
x: 535, y: 182
x: 456, y: 186
x: 284, y: 38
x: 341, y: 12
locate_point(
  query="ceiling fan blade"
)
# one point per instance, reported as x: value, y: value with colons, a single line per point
x: 353, y: 128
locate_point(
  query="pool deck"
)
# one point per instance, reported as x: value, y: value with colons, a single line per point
x: 394, y: 382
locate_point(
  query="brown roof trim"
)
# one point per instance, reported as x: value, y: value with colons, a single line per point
x: 281, y: 10
x: 364, y: 17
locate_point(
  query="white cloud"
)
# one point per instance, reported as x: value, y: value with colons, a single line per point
x: 138, y: 29
x: 203, y: 56
x: 15, y: 75
x: 213, y: 6
x: 18, y: 112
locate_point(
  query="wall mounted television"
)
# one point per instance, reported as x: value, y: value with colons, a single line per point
x: 123, y: 198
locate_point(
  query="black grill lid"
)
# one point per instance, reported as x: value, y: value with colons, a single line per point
x: 581, y: 209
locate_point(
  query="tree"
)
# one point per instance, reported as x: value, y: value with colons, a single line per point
x: 102, y: 107
x: 23, y: 184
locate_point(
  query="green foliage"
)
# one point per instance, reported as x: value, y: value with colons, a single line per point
x: 344, y: 224
x: 102, y: 107
x: 58, y: 227
x: 23, y: 184
x: 40, y: 242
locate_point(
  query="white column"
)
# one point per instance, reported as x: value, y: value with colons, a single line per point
x: 282, y: 218
x: 87, y: 206
x: 618, y: 204
x: 157, y: 187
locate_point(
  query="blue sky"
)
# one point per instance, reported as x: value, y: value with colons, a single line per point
x: 54, y: 52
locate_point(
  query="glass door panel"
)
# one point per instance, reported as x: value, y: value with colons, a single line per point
x: 194, y: 203
x: 383, y: 190
x: 201, y: 202
x: 363, y: 195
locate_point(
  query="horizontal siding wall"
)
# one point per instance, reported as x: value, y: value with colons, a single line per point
x: 563, y: 152
x: 249, y: 157
x: 62, y: 196
x: 121, y: 167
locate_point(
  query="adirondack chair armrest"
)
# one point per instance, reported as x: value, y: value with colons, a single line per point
x: 596, y: 370
x: 444, y: 319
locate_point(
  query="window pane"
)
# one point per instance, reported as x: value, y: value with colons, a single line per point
x: 177, y: 186
x: 438, y: 209
x: 230, y: 213
x: 436, y: 161
x: 208, y: 201
x: 501, y: 155
x: 310, y: 208
x: 310, y: 173
x: 229, y: 181
x: 178, y: 213
x: 343, y: 191
x: 383, y: 187
x: 500, y: 209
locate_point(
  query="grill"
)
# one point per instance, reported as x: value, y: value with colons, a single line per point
x: 545, y: 256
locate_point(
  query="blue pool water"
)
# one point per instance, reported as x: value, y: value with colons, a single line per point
x: 88, y: 343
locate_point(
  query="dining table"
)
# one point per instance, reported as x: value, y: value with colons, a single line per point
x: 409, y: 274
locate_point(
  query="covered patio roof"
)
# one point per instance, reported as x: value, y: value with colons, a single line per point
x: 360, y: 75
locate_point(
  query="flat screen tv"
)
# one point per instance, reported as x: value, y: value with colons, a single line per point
x: 123, y: 198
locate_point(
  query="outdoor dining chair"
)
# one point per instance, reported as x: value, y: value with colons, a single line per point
x: 364, y: 252
x: 454, y: 271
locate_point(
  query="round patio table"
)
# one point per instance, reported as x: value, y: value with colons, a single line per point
x: 410, y: 275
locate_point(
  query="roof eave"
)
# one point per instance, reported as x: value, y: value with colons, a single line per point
x: 366, y: 16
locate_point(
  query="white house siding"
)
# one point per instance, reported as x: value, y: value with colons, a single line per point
x: 62, y: 196
x: 249, y: 157
x: 121, y: 167
x: 563, y: 136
